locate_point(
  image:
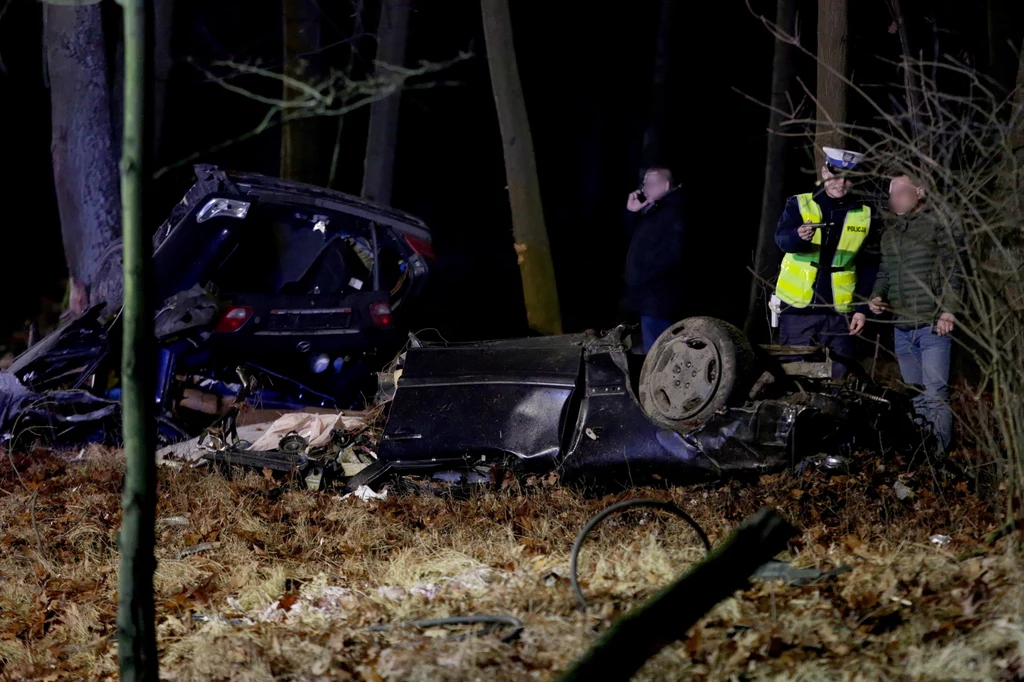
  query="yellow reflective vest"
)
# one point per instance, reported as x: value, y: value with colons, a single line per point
x: 799, y: 270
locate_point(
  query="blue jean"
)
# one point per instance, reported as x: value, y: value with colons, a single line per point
x: 651, y: 328
x: 924, y: 360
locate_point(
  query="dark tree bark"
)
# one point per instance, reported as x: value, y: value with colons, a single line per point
x: 653, y: 137
x: 535, y: 264
x: 302, y: 157
x: 767, y: 257
x: 831, y: 88
x: 84, y: 158
x: 382, y: 136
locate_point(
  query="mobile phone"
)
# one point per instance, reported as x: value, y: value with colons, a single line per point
x: 640, y: 196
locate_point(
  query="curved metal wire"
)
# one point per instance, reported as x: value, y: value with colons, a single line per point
x: 617, y: 507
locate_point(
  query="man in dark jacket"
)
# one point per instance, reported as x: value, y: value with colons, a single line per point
x: 654, y: 262
x: 920, y: 282
x: 824, y: 235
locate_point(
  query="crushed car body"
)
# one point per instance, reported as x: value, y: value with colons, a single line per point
x: 305, y: 288
x: 587, y: 407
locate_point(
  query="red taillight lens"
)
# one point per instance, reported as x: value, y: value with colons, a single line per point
x: 420, y: 246
x: 380, y: 314
x: 234, y: 319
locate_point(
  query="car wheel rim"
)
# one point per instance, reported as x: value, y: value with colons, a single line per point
x: 687, y: 371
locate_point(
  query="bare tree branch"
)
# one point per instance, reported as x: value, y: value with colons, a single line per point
x: 336, y: 95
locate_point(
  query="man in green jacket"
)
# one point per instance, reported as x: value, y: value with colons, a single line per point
x: 920, y: 282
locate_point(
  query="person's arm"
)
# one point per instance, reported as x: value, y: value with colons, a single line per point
x: 880, y: 289
x: 786, y: 236
x: 632, y: 213
x: 951, y: 288
x: 869, y: 267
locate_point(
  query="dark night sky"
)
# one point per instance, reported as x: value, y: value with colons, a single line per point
x: 586, y: 72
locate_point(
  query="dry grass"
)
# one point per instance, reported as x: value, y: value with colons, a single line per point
x: 297, y: 581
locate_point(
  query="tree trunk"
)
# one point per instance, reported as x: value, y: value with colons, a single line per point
x: 84, y: 162
x: 651, y: 151
x: 910, y: 83
x: 831, y: 92
x: 300, y: 139
x: 379, y: 166
x: 773, y: 199
x: 136, y: 622
x: 1011, y: 184
x: 535, y: 264
x: 1017, y: 132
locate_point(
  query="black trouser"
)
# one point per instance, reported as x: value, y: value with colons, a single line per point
x: 829, y: 329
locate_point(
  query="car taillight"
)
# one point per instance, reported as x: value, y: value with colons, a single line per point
x: 234, y: 319
x: 420, y: 246
x: 380, y: 314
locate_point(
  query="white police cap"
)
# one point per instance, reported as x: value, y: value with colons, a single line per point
x: 841, y: 159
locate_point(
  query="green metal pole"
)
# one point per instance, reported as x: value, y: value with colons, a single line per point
x: 135, y: 610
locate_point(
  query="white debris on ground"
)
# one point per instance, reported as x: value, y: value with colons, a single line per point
x: 365, y: 493
x: 264, y: 436
x: 192, y: 450
x: 314, y: 428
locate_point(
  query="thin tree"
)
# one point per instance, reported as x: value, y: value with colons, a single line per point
x: 912, y: 91
x: 767, y: 257
x: 831, y: 88
x: 301, y: 146
x: 535, y: 263
x: 382, y: 136
x: 137, y: 650
x: 82, y: 148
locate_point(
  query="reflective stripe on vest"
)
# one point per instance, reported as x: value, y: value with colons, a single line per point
x: 796, y: 276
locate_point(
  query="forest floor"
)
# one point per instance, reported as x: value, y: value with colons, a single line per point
x: 293, y: 581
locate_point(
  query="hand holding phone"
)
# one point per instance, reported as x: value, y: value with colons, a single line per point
x: 636, y: 201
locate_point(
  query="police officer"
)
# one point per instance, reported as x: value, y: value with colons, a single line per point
x: 823, y: 234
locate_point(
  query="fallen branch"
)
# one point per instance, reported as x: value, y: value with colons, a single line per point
x: 667, y: 617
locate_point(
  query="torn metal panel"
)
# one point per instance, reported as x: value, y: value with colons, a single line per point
x: 811, y: 370
x: 504, y: 396
x: 754, y: 438
x: 624, y: 442
x: 67, y: 357
x: 189, y: 310
x: 56, y: 416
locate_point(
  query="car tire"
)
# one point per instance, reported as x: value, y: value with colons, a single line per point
x: 695, y: 368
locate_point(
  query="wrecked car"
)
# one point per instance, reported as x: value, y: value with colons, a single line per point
x: 702, y: 404
x: 305, y: 288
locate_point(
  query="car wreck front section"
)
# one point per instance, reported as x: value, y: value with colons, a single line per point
x: 566, y: 403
